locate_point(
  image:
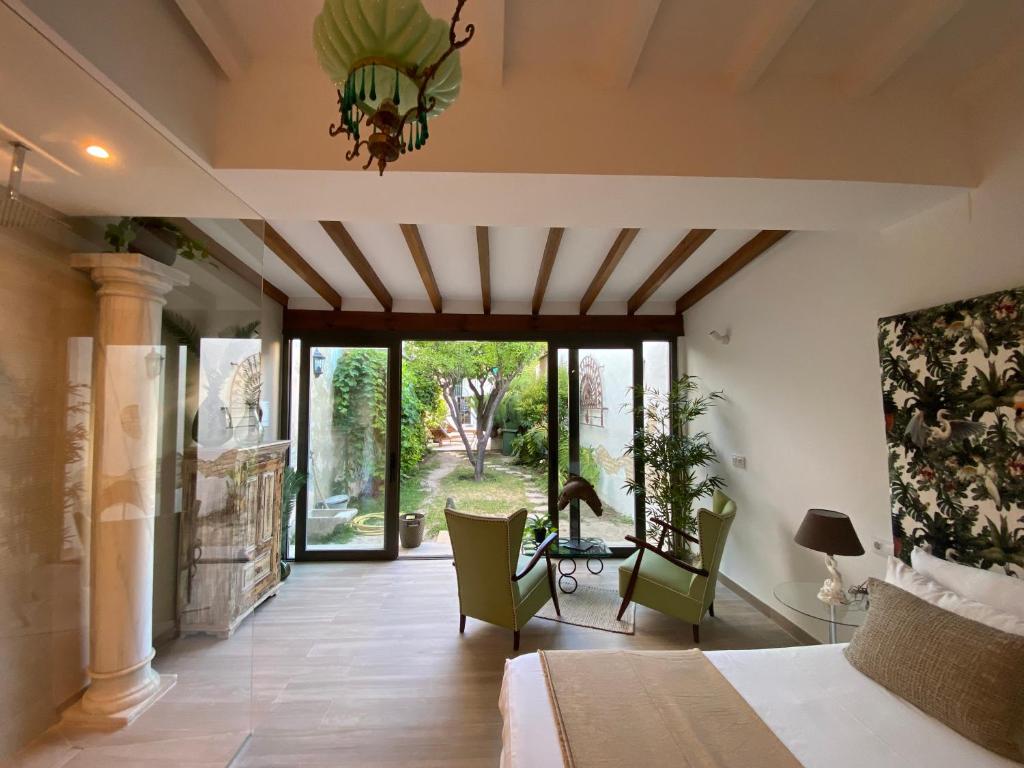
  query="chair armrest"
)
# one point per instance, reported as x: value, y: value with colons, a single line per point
x: 674, y: 560
x: 542, y: 550
x: 684, y: 534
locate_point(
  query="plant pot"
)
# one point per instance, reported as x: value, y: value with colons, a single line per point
x: 539, y: 534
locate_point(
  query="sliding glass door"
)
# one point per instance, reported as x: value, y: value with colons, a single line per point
x: 346, y: 509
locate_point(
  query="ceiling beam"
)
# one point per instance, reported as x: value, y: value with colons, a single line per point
x: 622, y: 242
x: 483, y: 249
x: 475, y: 326
x: 547, y: 262
x: 291, y: 258
x: 745, y: 254
x: 631, y: 40
x: 766, y: 35
x: 422, y: 262
x: 214, y: 29
x: 693, y: 240
x: 231, y: 262
x: 337, y: 232
x: 912, y: 26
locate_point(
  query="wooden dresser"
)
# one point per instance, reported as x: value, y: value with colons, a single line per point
x: 229, y: 545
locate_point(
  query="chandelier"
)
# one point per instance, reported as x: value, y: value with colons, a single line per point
x: 395, y: 68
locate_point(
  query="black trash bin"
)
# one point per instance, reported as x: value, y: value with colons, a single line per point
x: 410, y: 529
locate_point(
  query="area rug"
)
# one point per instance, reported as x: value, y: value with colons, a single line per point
x: 592, y: 607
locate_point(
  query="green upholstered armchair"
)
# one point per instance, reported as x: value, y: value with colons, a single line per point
x: 657, y: 579
x: 496, y: 583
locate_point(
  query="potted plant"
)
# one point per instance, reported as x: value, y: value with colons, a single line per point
x: 677, y: 460
x: 153, y: 237
x: 291, y: 485
x: 538, y: 522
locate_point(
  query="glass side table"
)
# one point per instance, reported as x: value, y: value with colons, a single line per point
x: 595, y: 551
x: 802, y: 597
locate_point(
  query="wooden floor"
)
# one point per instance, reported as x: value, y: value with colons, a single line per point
x: 361, y: 664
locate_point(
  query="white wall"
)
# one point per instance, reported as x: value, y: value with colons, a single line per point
x: 801, y: 373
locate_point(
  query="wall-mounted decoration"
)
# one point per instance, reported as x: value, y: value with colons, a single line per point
x: 591, y: 393
x: 953, y: 397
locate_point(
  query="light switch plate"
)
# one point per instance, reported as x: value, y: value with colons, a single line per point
x: 740, y: 462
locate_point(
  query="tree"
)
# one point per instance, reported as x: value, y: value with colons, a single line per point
x: 487, y: 367
x: 676, y: 460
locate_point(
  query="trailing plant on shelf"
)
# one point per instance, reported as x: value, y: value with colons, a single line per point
x: 676, y: 460
x: 122, y: 235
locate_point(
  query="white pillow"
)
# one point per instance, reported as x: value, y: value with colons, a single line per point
x: 989, y: 587
x: 901, y: 575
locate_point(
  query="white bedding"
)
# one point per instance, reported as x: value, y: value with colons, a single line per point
x: 827, y: 714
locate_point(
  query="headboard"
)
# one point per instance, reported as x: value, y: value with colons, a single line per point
x: 953, y: 400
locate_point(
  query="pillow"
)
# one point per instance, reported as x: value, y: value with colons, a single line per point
x: 990, y: 587
x: 906, y: 578
x: 962, y: 673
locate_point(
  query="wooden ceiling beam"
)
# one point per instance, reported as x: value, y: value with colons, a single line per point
x: 622, y: 242
x: 337, y: 232
x: 281, y: 248
x: 767, y: 33
x: 483, y: 249
x: 913, y: 25
x: 547, y: 263
x: 693, y: 240
x: 630, y: 42
x: 499, y: 326
x: 211, y: 24
x: 231, y: 262
x: 419, y: 257
x: 745, y: 254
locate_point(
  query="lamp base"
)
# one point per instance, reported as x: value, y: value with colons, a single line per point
x: 832, y: 591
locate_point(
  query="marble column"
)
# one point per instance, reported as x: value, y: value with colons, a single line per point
x: 128, y: 360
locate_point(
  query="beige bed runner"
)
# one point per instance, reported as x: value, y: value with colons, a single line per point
x: 652, y: 709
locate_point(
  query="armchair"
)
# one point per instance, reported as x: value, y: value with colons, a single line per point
x: 659, y: 580
x: 496, y: 583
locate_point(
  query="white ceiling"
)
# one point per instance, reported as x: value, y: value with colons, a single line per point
x: 737, y: 115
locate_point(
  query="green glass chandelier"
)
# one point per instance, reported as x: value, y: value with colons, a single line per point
x: 395, y: 67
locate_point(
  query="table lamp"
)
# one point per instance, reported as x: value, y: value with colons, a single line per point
x: 824, y: 530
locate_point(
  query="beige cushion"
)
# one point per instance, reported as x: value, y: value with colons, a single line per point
x: 962, y: 673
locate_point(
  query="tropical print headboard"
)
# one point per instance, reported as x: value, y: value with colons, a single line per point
x: 953, y: 398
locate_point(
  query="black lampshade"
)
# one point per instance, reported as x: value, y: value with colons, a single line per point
x: 830, y: 532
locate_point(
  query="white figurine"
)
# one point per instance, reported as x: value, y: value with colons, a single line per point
x: 832, y: 591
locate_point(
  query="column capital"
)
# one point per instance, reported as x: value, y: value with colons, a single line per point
x: 129, y: 274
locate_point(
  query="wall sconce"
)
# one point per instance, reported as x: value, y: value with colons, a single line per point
x: 318, y: 363
x: 721, y: 338
x: 154, y: 364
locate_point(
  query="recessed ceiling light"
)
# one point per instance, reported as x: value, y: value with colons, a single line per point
x: 97, y: 151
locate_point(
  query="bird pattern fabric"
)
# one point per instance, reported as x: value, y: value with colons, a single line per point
x: 953, y: 399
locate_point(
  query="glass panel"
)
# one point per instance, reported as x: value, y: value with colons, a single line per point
x: 606, y: 429
x: 474, y: 429
x: 348, y: 392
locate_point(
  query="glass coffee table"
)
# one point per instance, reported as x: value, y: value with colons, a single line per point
x: 802, y: 597
x: 593, y: 550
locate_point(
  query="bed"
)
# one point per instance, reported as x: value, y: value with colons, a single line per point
x: 823, y: 710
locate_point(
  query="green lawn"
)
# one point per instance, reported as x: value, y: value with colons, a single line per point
x: 498, y: 493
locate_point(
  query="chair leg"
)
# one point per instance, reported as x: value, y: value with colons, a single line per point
x: 554, y: 590
x: 711, y: 610
x: 462, y: 623
x: 515, y: 640
x: 696, y: 633
x: 628, y: 597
